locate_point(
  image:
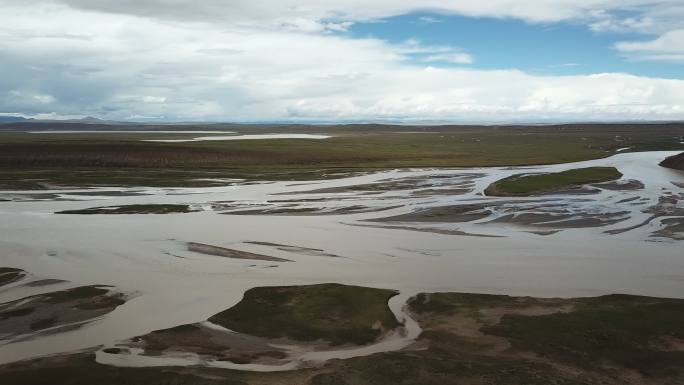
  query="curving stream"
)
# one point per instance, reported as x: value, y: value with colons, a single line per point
x: 297, y: 356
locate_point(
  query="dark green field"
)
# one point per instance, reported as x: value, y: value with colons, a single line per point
x: 338, y: 314
x: 522, y: 185
x: 34, y: 161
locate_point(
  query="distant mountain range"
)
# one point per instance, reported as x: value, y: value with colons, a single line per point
x: 13, y: 119
x: 86, y: 120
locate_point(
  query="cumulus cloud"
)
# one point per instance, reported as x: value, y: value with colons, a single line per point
x: 263, y: 60
x: 269, y: 13
x: 667, y: 47
x: 502, y: 95
x: 607, y: 23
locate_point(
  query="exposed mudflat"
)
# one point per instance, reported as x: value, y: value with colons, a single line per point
x: 9, y: 275
x: 131, y: 209
x: 621, y: 185
x: 230, y: 253
x: 53, y: 312
x: 671, y: 228
x: 411, y: 230
x: 421, y: 185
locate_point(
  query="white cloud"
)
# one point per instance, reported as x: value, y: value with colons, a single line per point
x: 505, y: 95
x: 31, y: 98
x: 564, y: 65
x: 456, y: 58
x: 667, y: 47
x: 414, y: 49
x: 259, y: 61
x: 611, y: 24
x: 26, y: 100
x: 270, y: 13
x: 339, y: 27
x: 429, y: 20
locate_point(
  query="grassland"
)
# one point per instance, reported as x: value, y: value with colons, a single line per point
x: 642, y: 334
x: 338, y: 314
x: 308, y: 317
x: 467, y: 339
x: 40, y: 160
x: 523, y: 185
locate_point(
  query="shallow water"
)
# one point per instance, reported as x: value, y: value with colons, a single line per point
x: 129, y: 132
x: 146, y: 255
x: 298, y: 356
x: 242, y: 137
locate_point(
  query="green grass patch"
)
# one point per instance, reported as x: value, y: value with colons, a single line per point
x: 626, y: 330
x: 440, y: 365
x: 522, y: 184
x: 132, y: 209
x: 642, y: 334
x: 339, y: 314
x: 451, y: 303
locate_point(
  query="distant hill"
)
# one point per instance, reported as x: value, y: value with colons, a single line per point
x: 676, y: 162
x: 13, y: 119
x: 83, y: 121
x: 89, y: 119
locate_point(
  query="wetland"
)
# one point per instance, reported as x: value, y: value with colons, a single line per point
x: 369, y: 257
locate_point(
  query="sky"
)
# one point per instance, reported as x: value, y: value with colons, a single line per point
x: 343, y: 60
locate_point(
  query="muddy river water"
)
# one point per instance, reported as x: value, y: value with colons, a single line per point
x: 611, y: 238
